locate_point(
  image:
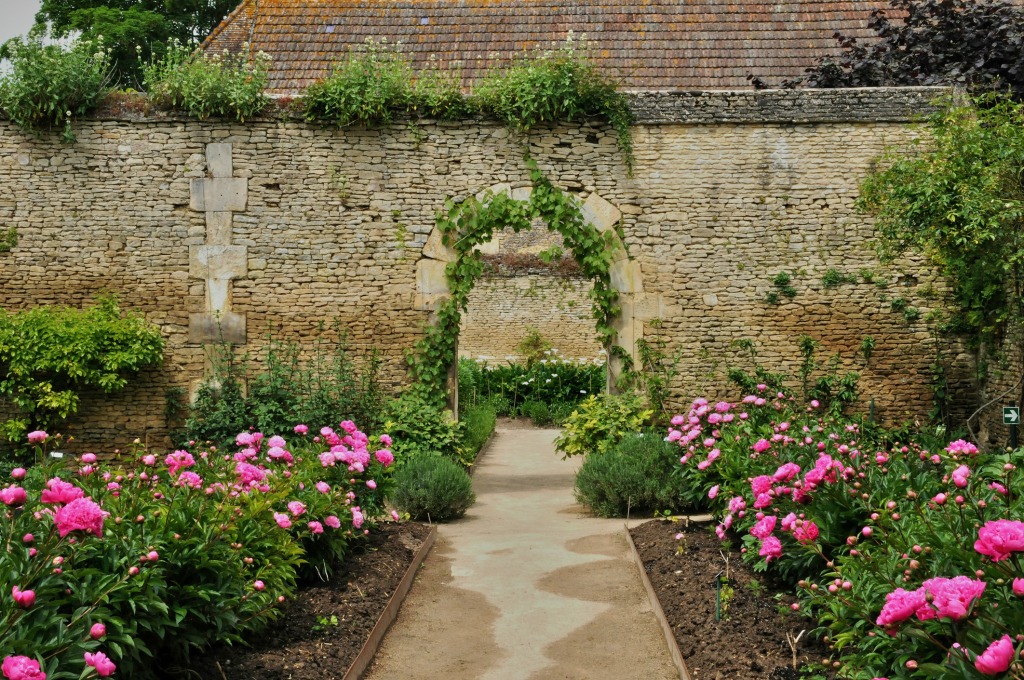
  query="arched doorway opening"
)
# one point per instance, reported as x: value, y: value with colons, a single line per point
x: 452, y: 261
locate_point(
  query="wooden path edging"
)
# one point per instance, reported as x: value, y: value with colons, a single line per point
x: 390, y: 613
x: 659, y: 613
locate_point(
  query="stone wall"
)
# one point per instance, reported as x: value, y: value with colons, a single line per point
x: 503, y: 309
x: 276, y: 226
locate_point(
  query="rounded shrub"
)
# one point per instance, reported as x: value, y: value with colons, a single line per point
x: 434, y: 488
x: 634, y: 475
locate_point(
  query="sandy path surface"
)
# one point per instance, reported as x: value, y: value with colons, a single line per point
x: 526, y: 586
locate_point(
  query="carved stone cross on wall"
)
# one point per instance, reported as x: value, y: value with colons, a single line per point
x: 218, y: 262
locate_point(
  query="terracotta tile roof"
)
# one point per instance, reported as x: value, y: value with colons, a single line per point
x: 646, y: 44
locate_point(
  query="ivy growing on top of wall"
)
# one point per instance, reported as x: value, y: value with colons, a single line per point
x: 472, y: 222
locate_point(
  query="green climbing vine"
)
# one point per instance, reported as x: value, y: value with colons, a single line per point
x: 472, y: 222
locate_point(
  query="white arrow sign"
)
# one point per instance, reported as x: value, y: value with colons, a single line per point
x: 1011, y: 415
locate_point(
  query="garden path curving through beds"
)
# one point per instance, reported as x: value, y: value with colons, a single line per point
x: 527, y: 586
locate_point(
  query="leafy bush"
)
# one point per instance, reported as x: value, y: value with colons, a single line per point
x: 48, y: 86
x: 147, y: 558
x: 50, y: 355
x: 633, y: 476
x: 546, y: 392
x: 433, y: 487
x: 284, y: 389
x: 599, y: 423
x: 556, y: 85
x: 478, y: 424
x: 368, y: 88
x: 203, y: 85
x: 972, y: 43
x: 421, y: 427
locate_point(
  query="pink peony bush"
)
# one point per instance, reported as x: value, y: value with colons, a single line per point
x: 160, y: 556
x: 909, y: 554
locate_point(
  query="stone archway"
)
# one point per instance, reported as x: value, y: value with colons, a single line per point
x: 637, y: 305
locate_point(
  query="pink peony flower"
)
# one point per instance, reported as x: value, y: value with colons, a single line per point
x: 394, y: 515
x: 190, y: 479
x: 951, y: 597
x: 22, y: 668
x: 23, y: 598
x: 244, y: 439
x: 1018, y: 587
x: 713, y: 491
x: 258, y: 585
x: 315, y: 527
x: 60, y: 492
x: 249, y: 474
x: 323, y: 487
x: 806, y: 532
x: 89, y: 458
x: 997, y: 657
x: 999, y: 538
x: 764, y: 527
x: 18, y: 473
x: 179, y: 460
x: 960, y: 476
x: 282, y: 520
x: 97, y: 631
x: 332, y: 521
x: 770, y: 547
x: 103, y: 665
x: 149, y: 459
x: 37, y: 437
x: 357, y: 518
x: 276, y: 440
x: 296, y: 508
x: 301, y: 429
x: 762, y: 484
x: 961, y: 447
x: 385, y: 440
x: 900, y: 605
x: 370, y: 484
x: 13, y: 496
x: 81, y: 514
x: 786, y: 472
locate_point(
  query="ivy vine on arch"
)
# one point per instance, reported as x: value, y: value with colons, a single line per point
x: 473, y: 222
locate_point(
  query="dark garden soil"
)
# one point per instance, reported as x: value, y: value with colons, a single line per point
x: 325, y: 626
x: 750, y: 639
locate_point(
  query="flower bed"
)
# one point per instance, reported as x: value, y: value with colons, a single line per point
x: 111, y: 565
x: 725, y: 627
x: 905, y: 551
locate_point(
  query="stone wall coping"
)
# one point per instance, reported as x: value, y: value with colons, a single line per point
x: 666, y: 107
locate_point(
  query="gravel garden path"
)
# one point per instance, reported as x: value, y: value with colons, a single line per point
x: 526, y: 586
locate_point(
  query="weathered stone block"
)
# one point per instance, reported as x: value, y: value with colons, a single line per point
x: 430, y: 278
x: 521, y: 193
x: 500, y: 188
x: 218, y: 228
x: 207, y: 328
x: 625, y: 275
x: 618, y: 250
x: 647, y: 306
x: 428, y: 302
x: 218, y: 262
x: 219, y: 194
x: 218, y: 160
x: 489, y: 248
x: 435, y: 248
x: 218, y: 295
x: 600, y: 212
x: 196, y: 194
